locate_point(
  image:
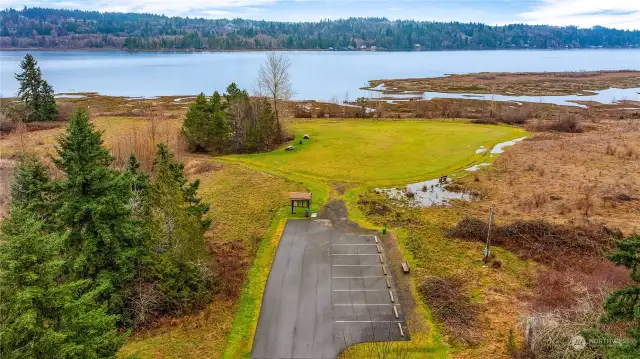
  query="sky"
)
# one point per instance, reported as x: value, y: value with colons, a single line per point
x: 621, y: 14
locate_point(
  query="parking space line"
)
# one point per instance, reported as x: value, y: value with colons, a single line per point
x: 363, y: 290
x: 353, y: 244
x: 354, y: 254
x: 361, y: 305
x: 368, y: 321
x: 358, y: 265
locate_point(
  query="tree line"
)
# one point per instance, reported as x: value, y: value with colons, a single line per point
x: 90, y: 254
x: 57, y: 28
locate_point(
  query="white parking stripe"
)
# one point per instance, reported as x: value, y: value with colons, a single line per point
x: 353, y: 244
x: 368, y: 321
x: 354, y: 254
x: 362, y: 290
x: 358, y: 265
x: 360, y: 304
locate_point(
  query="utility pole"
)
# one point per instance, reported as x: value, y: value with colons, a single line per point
x: 486, y: 247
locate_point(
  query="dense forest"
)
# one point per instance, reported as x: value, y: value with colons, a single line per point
x: 64, y: 29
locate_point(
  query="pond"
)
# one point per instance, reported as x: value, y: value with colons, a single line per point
x: 608, y: 96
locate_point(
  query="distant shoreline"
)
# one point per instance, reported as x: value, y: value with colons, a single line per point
x: 293, y: 50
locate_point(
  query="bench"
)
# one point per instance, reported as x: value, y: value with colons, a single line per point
x: 405, y: 267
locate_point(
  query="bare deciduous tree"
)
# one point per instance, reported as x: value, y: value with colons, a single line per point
x: 274, y: 82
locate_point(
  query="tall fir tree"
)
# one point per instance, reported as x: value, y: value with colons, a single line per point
x: 36, y: 93
x: 43, y: 315
x: 197, y: 127
x: 220, y: 131
x: 48, y: 110
x: 267, y: 125
x: 93, y: 203
x: 176, y: 227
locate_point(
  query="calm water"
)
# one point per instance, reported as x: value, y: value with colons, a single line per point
x: 315, y: 75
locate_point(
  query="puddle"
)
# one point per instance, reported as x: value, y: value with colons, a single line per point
x: 426, y: 194
x: 433, y: 193
x: 477, y: 167
x: 499, y: 148
x: 180, y: 99
x: 69, y: 96
x: 141, y: 98
x: 608, y: 96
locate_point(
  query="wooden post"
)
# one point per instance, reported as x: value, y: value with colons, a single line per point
x: 486, y: 248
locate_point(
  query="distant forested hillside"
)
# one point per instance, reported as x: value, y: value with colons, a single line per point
x: 64, y: 29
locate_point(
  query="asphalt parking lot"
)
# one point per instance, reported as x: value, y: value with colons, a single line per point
x: 327, y: 290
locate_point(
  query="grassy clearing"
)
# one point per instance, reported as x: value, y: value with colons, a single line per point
x: 200, y: 335
x: 380, y: 152
x: 243, y: 201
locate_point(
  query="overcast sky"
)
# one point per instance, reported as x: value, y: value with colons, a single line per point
x: 622, y: 14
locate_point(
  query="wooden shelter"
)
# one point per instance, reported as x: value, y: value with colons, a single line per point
x: 299, y: 199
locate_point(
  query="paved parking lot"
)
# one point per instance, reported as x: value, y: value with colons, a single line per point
x: 326, y: 290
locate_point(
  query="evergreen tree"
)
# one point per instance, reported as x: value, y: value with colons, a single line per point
x: 220, y: 130
x: 139, y: 180
x: 197, y: 127
x: 623, y: 305
x: 30, y: 84
x: 35, y: 93
x: 48, y: 110
x: 176, y: 226
x: 267, y: 125
x: 43, y: 316
x: 93, y: 203
x: 30, y: 187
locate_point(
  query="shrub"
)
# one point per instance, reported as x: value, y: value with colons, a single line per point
x: 450, y: 305
x: 569, y: 123
x: 539, y: 240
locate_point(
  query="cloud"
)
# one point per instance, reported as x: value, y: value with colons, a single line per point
x: 622, y: 14
x: 207, y: 8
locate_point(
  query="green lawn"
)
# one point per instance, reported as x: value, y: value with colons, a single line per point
x: 381, y: 152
